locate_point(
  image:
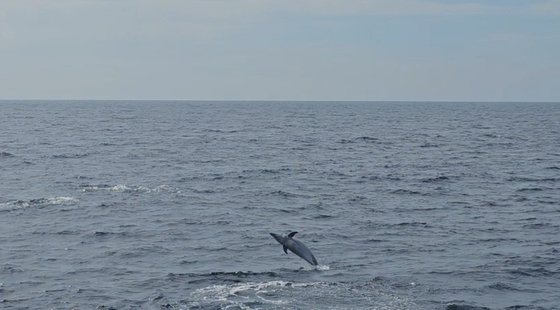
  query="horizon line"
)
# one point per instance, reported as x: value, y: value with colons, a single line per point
x: 285, y: 100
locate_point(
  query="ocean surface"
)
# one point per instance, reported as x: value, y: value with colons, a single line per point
x: 169, y: 205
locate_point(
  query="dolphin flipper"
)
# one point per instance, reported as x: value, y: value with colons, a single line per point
x: 285, y: 250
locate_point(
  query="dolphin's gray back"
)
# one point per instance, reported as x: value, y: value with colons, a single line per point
x: 300, y: 250
x: 296, y: 247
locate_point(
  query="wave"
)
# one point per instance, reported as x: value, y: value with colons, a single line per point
x: 109, y: 233
x: 9, y: 269
x: 245, y: 295
x: 435, y: 179
x: 413, y: 224
x: 322, y: 216
x: 454, y: 306
x: 236, y: 175
x: 500, y: 286
x: 464, y: 307
x: 538, y: 225
x: 122, y: 188
x: 40, y: 202
x: 6, y: 154
x: 532, y: 179
x: 279, y: 289
x: 358, y: 139
x: 266, y: 171
x: 282, y: 293
x: 285, y: 194
x: 221, y: 131
x: 429, y: 145
x: 401, y: 191
x: 70, y: 156
x: 530, y: 189
x: 533, y: 272
x: 238, y: 274
x: 221, y: 277
x: 363, y: 139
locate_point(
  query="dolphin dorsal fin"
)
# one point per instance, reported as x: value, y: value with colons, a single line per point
x: 293, y: 233
x: 285, y: 250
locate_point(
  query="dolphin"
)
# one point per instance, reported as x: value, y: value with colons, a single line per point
x: 296, y: 247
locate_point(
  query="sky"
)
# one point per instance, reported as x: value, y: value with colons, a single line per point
x: 336, y: 50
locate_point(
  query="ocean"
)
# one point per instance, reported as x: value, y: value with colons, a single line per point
x: 170, y: 205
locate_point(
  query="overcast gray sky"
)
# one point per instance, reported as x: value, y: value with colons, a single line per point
x: 482, y: 50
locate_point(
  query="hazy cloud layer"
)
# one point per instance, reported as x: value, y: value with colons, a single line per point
x: 291, y: 49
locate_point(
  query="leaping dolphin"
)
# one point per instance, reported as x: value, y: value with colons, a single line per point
x: 296, y: 247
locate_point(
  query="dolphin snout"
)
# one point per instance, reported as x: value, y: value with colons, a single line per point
x: 277, y: 237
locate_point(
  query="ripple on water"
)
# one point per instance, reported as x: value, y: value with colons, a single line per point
x: 161, y: 198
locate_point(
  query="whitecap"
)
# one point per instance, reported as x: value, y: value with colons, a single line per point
x: 123, y: 188
x: 12, y: 205
x: 60, y: 200
x: 90, y: 188
x: 163, y: 188
x: 120, y: 188
x: 22, y: 204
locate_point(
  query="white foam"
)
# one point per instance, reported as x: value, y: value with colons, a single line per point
x: 22, y: 204
x: 323, y: 267
x: 228, y: 293
x: 60, y: 200
x: 163, y: 188
x: 90, y: 189
x: 120, y: 188
x: 283, y: 294
x: 14, y: 205
x: 123, y: 188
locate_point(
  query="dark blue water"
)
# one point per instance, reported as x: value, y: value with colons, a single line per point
x: 169, y: 205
